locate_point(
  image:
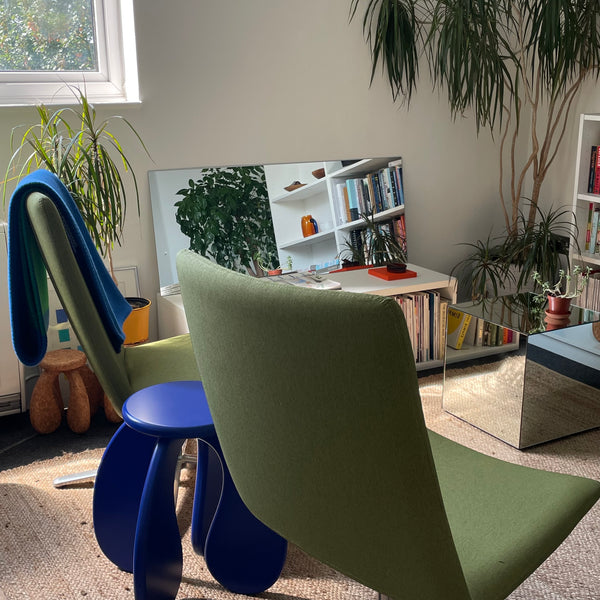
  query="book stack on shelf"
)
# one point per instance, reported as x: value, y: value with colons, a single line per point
x: 373, y: 193
x: 360, y: 239
x: 592, y: 235
x: 590, y: 297
x: 425, y: 314
x: 594, y: 174
x: 465, y: 330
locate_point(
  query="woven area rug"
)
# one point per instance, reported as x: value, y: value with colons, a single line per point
x: 48, y: 550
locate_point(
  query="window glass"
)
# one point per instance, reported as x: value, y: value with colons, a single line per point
x: 47, y: 35
x: 48, y: 47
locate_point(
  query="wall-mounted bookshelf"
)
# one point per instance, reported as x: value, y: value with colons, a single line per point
x: 323, y: 199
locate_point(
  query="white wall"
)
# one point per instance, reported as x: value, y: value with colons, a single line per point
x: 234, y: 82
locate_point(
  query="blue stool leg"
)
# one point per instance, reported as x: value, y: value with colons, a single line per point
x: 157, y: 562
x: 117, y: 492
x: 241, y: 553
x: 209, y: 481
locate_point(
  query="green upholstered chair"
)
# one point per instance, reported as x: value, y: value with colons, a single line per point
x: 315, y: 400
x: 120, y: 373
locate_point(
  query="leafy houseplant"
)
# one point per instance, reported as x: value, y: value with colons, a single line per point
x: 509, y: 260
x: 506, y: 60
x: 376, y: 246
x: 559, y: 295
x: 569, y: 284
x: 88, y: 158
x: 226, y: 215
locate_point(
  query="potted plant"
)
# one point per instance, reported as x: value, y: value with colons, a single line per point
x: 226, y: 215
x: 569, y: 285
x: 272, y: 270
x: 374, y: 244
x: 90, y: 160
x: 505, y: 263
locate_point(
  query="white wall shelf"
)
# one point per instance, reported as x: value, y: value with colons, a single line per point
x: 318, y: 198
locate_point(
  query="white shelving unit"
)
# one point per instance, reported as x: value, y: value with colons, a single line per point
x: 589, y: 135
x: 317, y: 198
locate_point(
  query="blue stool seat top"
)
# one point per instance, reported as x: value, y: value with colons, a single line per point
x: 169, y: 410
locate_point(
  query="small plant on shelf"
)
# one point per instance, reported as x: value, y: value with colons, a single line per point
x: 373, y: 244
x: 568, y: 285
x: 274, y: 270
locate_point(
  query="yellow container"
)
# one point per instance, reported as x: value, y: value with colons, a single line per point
x: 136, y: 324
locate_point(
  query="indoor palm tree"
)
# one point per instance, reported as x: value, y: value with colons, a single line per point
x: 505, y: 60
x: 87, y: 157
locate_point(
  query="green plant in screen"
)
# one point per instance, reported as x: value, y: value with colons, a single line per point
x: 226, y: 215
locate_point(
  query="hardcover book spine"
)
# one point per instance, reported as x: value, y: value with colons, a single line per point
x: 588, y: 232
x: 592, y: 176
x: 596, y: 189
x: 458, y: 323
x: 594, y: 231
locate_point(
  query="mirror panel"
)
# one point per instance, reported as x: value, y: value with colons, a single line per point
x: 319, y: 197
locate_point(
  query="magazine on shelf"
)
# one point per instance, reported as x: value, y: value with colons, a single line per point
x: 305, y: 279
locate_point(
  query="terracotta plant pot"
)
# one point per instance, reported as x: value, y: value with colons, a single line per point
x: 559, y: 306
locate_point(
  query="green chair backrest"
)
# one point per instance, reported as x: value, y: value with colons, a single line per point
x: 76, y: 299
x: 315, y: 400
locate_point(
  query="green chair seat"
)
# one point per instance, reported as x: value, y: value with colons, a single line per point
x: 160, y: 362
x: 533, y: 512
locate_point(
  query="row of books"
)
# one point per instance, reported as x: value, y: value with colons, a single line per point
x: 370, y: 194
x: 592, y: 234
x: 590, y: 297
x: 360, y: 238
x: 594, y: 175
x: 425, y: 314
x: 467, y: 330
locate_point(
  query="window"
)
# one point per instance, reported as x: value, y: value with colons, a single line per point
x: 48, y: 46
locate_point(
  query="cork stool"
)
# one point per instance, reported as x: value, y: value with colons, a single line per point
x: 47, y: 407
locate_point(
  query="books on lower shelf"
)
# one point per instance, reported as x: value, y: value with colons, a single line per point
x: 592, y: 234
x: 458, y: 325
x: 425, y: 315
x: 590, y: 297
x: 360, y: 240
x: 478, y: 332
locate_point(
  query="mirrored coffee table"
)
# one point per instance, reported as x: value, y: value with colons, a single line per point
x: 542, y: 388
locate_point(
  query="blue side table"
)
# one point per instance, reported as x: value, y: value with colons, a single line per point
x: 134, y: 502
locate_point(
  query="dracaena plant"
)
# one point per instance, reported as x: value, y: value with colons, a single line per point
x: 85, y: 153
x: 506, y: 61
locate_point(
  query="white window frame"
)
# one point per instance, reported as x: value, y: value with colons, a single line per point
x: 115, y: 81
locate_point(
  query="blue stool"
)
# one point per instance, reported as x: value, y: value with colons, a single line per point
x: 134, y: 502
